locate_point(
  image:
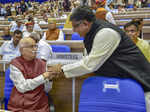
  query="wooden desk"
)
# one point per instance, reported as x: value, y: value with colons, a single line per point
x: 3, y: 26
x: 61, y: 93
x: 134, y: 12
x: 146, y: 32
x: 3, y: 66
x: 123, y: 22
x: 131, y: 16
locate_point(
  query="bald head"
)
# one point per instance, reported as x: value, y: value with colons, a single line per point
x: 26, y: 41
x: 28, y: 48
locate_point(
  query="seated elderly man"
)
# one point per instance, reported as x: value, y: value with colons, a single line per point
x: 31, y: 81
x: 9, y: 49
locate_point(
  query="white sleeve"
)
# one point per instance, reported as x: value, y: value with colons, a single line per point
x: 104, y: 44
x: 12, y: 28
x: 2, y: 48
x: 23, y: 85
x: 110, y: 18
x: 45, y: 51
x: 48, y: 86
x: 61, y: 35
x: 44, y: 36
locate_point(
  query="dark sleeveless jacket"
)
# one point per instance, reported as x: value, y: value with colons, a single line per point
x: 127, y: 61
x: 31, y: 101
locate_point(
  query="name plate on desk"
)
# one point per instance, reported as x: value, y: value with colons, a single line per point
x: 65, y: 58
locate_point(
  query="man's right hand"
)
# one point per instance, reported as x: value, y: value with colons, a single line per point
x: 48, y: 75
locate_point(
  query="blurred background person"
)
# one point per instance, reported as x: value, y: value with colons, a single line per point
x: 7, y: 35
x: 10, y: 49
x: 53, y: 33
x: 133, y: 31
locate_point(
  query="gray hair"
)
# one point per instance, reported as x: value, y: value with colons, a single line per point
x: 25, y: 41
x: 35, y: 36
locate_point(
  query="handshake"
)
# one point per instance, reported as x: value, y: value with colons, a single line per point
x: 54, y: 71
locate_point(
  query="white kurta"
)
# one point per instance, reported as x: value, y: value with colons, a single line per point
x: 104, y: 44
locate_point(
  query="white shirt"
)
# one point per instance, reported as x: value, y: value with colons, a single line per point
x: 26, y: 34
x: 60, y: 38
x: 8, y: 51
x: 35, y: 28
x: 23, y: 85
x: 43, y: 22
x: 102, y: 49
x: 109, y: 17
x: 44, y: 50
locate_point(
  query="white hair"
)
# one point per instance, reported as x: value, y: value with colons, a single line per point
x: 25, y: 41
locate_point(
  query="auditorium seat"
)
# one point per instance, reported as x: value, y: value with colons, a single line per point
x: 102, y: 94
x: 61, y: 26
x: 8, y: 87
x: 76, y: 36
x: 60, y: 48
x: 130, y: 6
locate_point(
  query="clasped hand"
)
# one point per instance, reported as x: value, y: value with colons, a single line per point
x: 54, y: 71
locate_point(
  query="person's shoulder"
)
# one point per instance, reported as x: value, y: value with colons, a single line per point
x: 43, y: 43
x: 143, y: 41
x: 107, y: 30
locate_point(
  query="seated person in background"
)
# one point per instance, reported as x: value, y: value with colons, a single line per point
x: 102, y: 13
x: 61, y: 15
x: 29, y: 30
x: 53, y: 33
x: 9, y: 49
x: 7, y: 35
x: 140, y: 23
x: 36, y: 27
x: 132, y: 30
x: 31, y: 81
x: 44, y: 49
x: 121, y: 8
x: 17, y: 26
x: 45, y: 20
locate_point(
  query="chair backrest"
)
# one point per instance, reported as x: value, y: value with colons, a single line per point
x: 61, y: 26
x: 103, y: 94
x: 130, y: 6
x: 76, y: 36
x: 8, y: 87
x: 60, y: 48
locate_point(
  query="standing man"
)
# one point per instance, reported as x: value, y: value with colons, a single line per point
x: 111, y: 53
